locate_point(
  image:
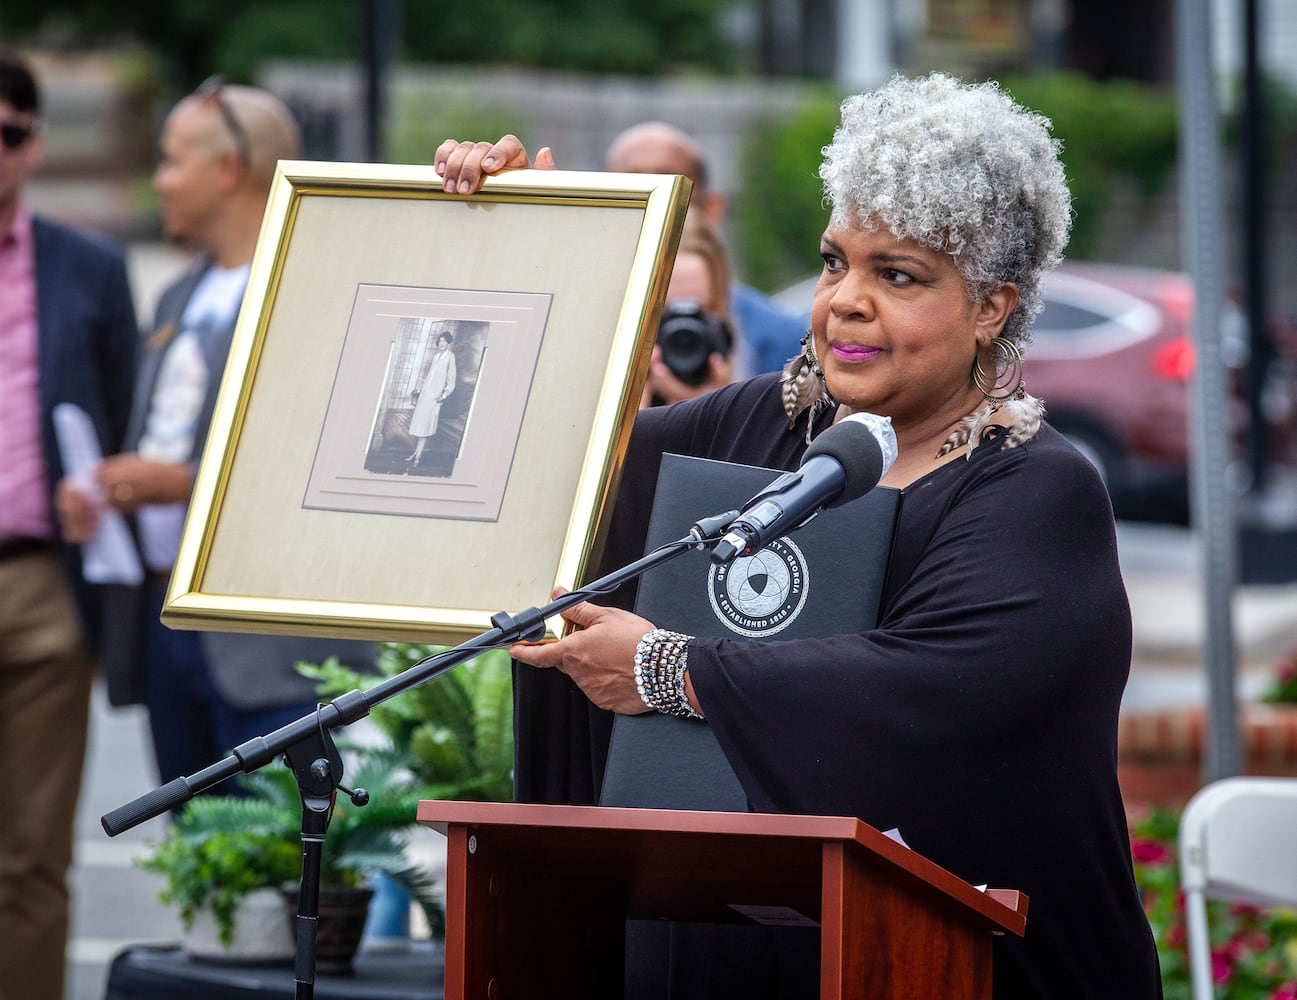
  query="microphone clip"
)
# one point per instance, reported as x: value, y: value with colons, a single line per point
x: 709, y: 529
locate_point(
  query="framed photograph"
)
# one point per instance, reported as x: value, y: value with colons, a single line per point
x: 426, y: 403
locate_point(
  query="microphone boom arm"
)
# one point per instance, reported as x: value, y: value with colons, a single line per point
x: 528, y: 625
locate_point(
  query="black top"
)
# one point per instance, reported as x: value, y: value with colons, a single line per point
x: 979, y: 718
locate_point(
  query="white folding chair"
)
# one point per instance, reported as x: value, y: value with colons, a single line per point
x: 1238, y: 842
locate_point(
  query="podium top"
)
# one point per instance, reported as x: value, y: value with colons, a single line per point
x: 658, y: 839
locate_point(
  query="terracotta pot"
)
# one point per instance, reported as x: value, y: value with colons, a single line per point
x: 343, y: 911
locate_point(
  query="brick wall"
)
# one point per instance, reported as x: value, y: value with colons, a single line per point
x: 1161, y: 752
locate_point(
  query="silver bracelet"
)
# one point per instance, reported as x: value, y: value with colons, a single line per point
x: 661, y: 659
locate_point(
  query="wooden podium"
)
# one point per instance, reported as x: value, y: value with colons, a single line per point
x: 537, y: 898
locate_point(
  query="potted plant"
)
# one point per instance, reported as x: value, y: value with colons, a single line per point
x: 456, y: 731
x: 362, y: 842
x: 224, y: 860
x: 449, y: 738
x: 222, y: 847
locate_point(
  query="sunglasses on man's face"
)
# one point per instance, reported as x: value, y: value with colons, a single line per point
x: 12, y: 136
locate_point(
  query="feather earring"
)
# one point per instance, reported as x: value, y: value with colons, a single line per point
x: 803, y: 386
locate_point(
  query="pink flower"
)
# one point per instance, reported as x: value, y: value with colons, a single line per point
x: 1221, y: 967
x: 1244, y: 943
x: 1149, y: 852
x: 1288, y: 991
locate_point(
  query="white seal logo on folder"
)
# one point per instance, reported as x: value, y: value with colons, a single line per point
x: 761, y: 594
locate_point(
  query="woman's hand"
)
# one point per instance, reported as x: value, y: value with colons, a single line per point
x: 463, y: 165
x: 600, y: 658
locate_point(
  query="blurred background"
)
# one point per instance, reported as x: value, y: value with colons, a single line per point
x: 757, y: 83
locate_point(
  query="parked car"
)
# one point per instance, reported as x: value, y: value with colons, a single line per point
x: 1112, y: 356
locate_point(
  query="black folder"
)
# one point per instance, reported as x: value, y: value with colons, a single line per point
x: 825, y: 578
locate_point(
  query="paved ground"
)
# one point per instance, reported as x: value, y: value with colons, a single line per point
x: 115, y: 904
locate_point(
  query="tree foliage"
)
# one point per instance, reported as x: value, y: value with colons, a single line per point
x: 1110, y: 131
x: 780, y: 236
x: 196, y: 37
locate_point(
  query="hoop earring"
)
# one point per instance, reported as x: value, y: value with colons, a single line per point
x: 1005, y: 381
x: 803, y: 386
x: 1002, y: 388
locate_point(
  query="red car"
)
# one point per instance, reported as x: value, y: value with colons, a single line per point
x: 1112, y: 356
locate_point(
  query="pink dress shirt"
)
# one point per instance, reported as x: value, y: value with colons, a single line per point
x: 24, y: 499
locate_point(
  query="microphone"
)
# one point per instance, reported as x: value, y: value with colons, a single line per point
x: 844, y: 463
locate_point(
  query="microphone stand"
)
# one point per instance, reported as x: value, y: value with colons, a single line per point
x: 308, y: 748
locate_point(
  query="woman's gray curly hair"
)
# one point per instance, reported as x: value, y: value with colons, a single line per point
x: 960, y: 168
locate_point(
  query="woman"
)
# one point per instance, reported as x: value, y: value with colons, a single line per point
x: 436, y: 386
x: 980, y: 716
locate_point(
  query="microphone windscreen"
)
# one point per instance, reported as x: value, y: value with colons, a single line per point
x: 864, y: 444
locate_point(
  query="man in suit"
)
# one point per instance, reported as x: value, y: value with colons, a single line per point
x: 67, y: 335
x: 206, y: 692
x: 768, y: 335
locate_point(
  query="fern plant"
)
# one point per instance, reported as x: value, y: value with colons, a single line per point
x: 221, y: 847
x: 456, y: 728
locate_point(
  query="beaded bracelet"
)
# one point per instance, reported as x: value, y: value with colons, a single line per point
x: 661, y: 659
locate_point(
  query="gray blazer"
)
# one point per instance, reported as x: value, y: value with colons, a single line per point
x: 249, y: 671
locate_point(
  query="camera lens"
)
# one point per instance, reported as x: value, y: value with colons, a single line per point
x: 688, y: 337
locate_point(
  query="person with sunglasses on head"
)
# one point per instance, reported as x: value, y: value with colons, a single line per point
x: 67, y: 335
x: 206, y: 692
x: 767, y: 335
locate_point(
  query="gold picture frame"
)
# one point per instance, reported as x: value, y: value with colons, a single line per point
x: 307, y: 517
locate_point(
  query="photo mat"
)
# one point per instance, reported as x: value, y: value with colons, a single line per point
x: 428, y: 402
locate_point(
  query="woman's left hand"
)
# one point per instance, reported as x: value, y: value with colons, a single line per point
x: 464, y: 165
x: 600, y: 657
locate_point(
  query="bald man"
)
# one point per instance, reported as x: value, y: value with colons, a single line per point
x: 206, y: 692
x: 769, y: 335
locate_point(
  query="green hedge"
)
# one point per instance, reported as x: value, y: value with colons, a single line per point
x: 1109, y: 130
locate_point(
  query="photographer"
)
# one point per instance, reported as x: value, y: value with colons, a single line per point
x: 696, y: 337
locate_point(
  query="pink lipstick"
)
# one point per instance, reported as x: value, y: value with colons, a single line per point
x: 854, y: 352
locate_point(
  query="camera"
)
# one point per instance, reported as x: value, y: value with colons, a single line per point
x: 688, y: 336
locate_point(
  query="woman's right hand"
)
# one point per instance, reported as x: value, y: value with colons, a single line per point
x: 463, y: 165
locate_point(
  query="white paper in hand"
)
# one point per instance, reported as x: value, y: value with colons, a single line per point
x: 109, y: 557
